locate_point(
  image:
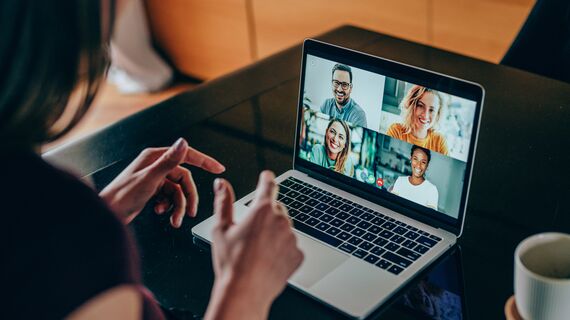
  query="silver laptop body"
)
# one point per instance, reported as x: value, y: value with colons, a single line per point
x: 353, y: 282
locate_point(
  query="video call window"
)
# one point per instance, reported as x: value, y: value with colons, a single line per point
x: 403, y: 138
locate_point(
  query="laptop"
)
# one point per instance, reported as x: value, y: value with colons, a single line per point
x: 381, y: 172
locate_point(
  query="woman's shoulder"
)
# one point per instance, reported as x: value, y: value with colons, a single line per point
x: 64, y: 240
x: 396, y: 130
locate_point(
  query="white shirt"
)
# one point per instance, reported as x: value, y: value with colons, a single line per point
x: 425, y: 193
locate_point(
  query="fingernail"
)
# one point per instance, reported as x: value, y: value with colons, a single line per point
x: 218, y: 185
x: 178, y: 144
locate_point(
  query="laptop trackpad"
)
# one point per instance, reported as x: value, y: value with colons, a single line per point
x: 319, y: 261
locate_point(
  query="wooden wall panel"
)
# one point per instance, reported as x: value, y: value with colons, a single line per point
x: 280, y: 24
x: 479, y: 28
x: 203, y: 38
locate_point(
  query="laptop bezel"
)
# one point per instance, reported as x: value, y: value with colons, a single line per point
x: 437, y: 81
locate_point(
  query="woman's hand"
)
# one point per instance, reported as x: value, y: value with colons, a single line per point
x: 157, y: 172
x: 252, y: 260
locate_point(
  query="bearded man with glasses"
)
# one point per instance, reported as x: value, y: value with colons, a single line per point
x: 341, y: 106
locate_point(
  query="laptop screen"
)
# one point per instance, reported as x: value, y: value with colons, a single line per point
x: 397, y: 135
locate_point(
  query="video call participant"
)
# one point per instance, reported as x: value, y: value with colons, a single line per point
x: 335, y: 153
x: 416, y: 187
x: 341, y: 106
x: 421, y: 110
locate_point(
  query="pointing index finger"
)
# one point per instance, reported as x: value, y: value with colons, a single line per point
x: 203, y: 161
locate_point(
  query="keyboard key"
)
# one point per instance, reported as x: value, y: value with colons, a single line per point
x: 398, y: 239
x: 409, y: 244
x: 407, y: 253
x: 396, y: 259
x: 395, y: 269
x: 411, y: 235
x: 322, y: 206
x: 355, y: 241
x: 388, y: 225
x: 344, y: 235
x: 386, y: 234
x: 286, y: 201
x: 296, y: 186
x: 326, y: 217
x: 286, y: 183
x: 380, y: 241
x: 293, y: 194
x: 304, y: 190
x: 366, y: 246
x: 371, y: 258
x: 317, y: 234
x: 293, y: 213
x: 413, y: 228
x: 345, y: 207
x: 367, y: 216
x: 378, y: 251
x: 359, y: 253
x: 369, y: 237
x: 374, y: 229
x: 302, y: 217
x: 426, y: 241
x: 356, y: 212
x: 315, y: 213
x: 312, y: 202
x: 347, y: 227
x: 400, y: 230
x: 322, y: 226
x: 336, y: 203
x: 333, y: 231
x: 358, y: 232
x: 384, y: 264
x: 332, y: 211
x: 392, y: 246
x: 421, y: 249
x: 378, y: 221
x: 342, y: 215
x: 312, y: 221
x: 302, y: 198
x: 423, y: 233
x: 436, y: 238
x: 347, y: 247
x: 326, y: 199
x: 296, y: 204
x: 363, y: 225
x: 353, y: 220
x: 305, y: 209
x: 337, y: 222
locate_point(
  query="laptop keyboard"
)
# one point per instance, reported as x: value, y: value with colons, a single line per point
x: 383, y: 241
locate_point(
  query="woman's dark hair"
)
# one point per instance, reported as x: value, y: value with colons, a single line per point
x: 426, y: 151
x: 49, y: 52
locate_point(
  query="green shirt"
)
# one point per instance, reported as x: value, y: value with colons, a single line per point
x: 319, y: 156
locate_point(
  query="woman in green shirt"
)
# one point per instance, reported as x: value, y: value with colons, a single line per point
x: 335, y: 153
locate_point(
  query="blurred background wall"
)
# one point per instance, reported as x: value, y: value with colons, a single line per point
x: 205, y: 39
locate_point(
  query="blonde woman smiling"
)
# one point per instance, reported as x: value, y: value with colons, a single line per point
x: 421, y: 110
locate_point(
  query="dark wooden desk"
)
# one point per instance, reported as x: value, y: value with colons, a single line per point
x: 246, y: 120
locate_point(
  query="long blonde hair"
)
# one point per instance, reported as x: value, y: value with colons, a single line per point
x: 343, y: 155
x: 410, y: 103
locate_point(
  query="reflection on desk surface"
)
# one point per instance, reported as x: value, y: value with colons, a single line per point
x: 438, y: 294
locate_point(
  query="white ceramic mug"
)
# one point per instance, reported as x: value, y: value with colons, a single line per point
x: 542, y: 277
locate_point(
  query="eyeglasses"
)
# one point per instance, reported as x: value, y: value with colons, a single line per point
x: 343, y: 85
